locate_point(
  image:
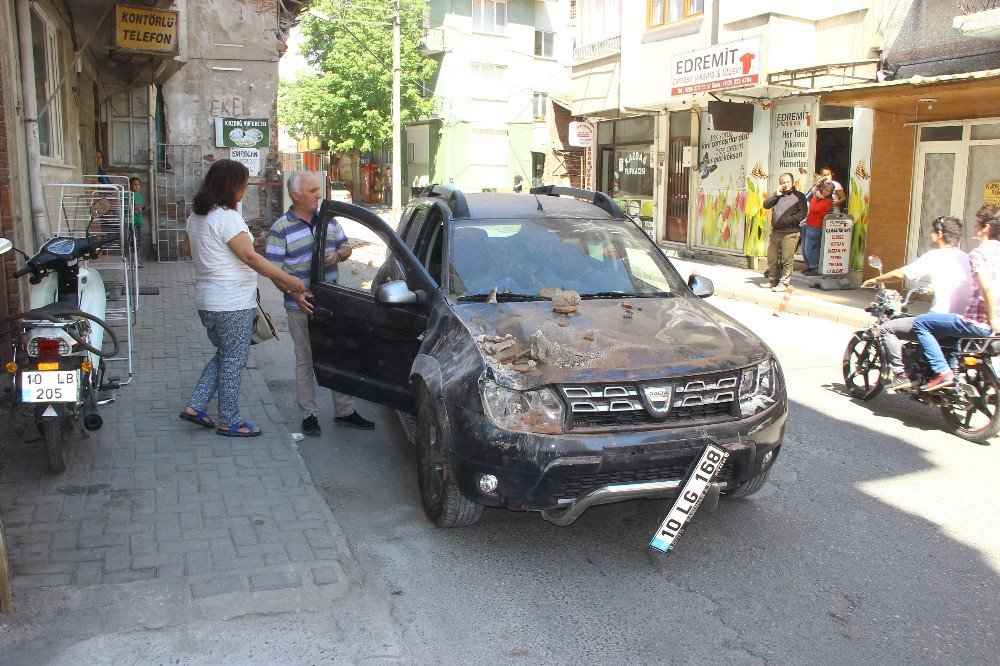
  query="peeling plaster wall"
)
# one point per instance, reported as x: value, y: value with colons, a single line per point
x: 237, y: 34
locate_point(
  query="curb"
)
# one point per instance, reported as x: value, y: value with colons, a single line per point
x: 799, y: 304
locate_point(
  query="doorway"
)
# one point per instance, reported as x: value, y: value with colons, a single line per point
x: 833, y: 150
x: 954, y: 168
x: 678, y: 177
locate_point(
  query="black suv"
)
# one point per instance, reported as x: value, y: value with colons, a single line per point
x: 552, y: 355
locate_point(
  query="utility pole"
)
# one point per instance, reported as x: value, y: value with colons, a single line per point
x: 396, y: 113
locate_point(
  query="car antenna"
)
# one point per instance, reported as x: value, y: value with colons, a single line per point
x: 539, y: 203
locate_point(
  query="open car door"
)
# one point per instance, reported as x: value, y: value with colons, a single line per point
x: 368, y: 321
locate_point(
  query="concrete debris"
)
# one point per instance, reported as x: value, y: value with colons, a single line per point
x: 539, y: 346
x: 589, y: 336
x: 565, y: 302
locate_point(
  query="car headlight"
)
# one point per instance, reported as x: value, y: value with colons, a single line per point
x: 539, y: 411
x: 758, y: 387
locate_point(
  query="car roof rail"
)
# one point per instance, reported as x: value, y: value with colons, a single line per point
x: 451, y: 195
x: 599, y: 199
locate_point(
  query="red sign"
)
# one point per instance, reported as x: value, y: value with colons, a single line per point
x: 717, y: 67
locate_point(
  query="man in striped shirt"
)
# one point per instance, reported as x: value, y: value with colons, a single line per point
x: 290, y: 247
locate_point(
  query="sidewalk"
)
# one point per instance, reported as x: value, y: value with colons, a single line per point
x: 846, y: 306
x: 160, y: 524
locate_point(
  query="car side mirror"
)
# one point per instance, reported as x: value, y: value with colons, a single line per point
x: 397, y: 293
x: 5, y: 246
x: 701, y: 286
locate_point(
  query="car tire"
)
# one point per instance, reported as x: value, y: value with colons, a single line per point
x: 443, y: 502
x: 748, y: 488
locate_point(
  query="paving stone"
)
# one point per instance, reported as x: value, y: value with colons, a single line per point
x: 275, y: 580
x: 197, y: 562
x: 324, y: 576
x: 41, y: 580
x: 88, y: 573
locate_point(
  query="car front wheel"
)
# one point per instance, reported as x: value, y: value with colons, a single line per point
x: 443, y: 502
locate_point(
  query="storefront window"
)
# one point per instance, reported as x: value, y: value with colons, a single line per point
x: 941, y: 133
x: 988, y: 131
x: 632, y: 174
x: 831, y: 112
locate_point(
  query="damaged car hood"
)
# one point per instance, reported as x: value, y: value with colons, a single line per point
x: 609, y: 340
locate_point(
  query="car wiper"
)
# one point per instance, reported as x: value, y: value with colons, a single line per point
x: 502, y: 296
x: 622, y: 294
x: 607, y: 294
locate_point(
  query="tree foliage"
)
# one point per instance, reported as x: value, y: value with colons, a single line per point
x: 347, y: 101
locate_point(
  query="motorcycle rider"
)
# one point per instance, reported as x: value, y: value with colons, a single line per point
x: 951, y: 279
x: 982, y: 316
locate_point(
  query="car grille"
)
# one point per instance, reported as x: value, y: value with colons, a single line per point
x: 691, y: 400
x: 573, y: 486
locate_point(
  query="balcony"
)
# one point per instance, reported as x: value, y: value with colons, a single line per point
x: 597, y: 50
x: 432, y: 42
x: 982, y: 24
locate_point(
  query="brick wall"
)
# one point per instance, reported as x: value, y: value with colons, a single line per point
x: 891, y: 179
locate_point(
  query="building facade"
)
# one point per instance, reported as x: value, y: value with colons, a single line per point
x: 147, y: 85
x: 503, y: 70
x: 701, y: 105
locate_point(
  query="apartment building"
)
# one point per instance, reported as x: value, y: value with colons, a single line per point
x: 502, y: 92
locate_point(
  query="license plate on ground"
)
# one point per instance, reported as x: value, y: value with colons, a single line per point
x: 689, y: 498
x: 50, y: 386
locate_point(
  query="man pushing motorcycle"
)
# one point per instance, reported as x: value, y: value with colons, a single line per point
x: 982, y: 316
x: 949, y: 271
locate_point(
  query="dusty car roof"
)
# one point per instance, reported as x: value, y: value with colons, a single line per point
x: 486, y: 205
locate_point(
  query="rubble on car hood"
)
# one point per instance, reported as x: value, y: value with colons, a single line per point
x: 527, y: 345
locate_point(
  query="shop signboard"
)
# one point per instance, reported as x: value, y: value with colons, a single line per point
x: 991, y: 197
x: 145, y: 30
x: 581, y: 135
x: 792, y: 136
x: 242, y: 132
x: 835, y: 247
x: 250, y: 157
x: 730, y: 65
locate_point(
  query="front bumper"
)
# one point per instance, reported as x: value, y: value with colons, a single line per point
x: 545, y: 472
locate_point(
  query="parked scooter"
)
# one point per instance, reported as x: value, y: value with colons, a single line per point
x: 970, y: 407
x: 58, y: 367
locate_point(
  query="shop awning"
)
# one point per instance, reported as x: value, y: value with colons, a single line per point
x: 968, y: 95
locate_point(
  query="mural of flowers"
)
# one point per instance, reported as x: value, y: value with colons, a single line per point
x: 857, y: 207
x: 755, y: 242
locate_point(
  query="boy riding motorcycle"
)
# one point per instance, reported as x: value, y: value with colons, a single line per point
x: 951, y: 279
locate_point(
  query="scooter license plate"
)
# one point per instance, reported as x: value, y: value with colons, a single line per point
x: 50, y: 386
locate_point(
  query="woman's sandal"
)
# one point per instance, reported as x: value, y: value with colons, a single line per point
x: 234, y: 430
x: 198, y: 418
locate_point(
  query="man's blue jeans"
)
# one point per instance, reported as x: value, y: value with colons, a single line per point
x: 810, y: 245
x: 931, y: 326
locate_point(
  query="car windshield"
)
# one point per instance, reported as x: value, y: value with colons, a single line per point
x: 337, y: 186
x: 524, y: 258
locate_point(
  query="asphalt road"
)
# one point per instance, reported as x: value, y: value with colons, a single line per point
x: 876, y: 540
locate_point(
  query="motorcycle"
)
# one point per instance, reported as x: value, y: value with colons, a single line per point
x: 970, y: 407
x: 57, y: 371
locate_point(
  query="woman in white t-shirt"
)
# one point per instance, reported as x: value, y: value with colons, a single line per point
x: 226, y: 268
